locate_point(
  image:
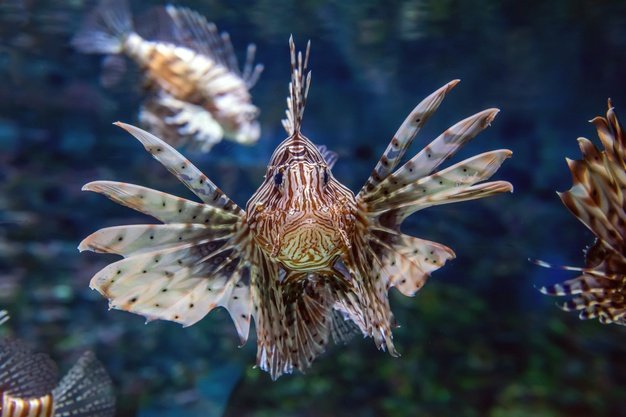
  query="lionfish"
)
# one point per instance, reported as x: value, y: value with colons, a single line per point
x: 307, y: 260
x: 198, y: 94
x: 28, y: 384
x: 597, y: 199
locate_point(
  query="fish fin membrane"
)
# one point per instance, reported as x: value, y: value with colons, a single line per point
x: 407, y: 261
x: 183, y: 269
x: 174, y: 272
x: 86, y: 390
x: 23, y: 373
x: 105, y: 29
x: 182, y: 123
x: 294, y: 318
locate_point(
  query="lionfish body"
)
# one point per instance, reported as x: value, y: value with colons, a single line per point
x: 597, y: 198
x: 27, y: 385
x: 197, y: 94
x: 307, y: 260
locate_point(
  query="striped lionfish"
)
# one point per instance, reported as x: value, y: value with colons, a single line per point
x: 28, y: 384
x: 198, y: 94
x: 306, y: 260
x: 597, y: 199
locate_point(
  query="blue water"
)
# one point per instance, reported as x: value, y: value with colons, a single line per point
x: 477, y: 340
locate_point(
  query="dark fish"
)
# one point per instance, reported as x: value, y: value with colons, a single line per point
x: 307, y: 259
x: 198, y: 93
x: 28, y: 384
x: 597, y: 200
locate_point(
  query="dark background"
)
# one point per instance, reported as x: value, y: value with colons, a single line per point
x: 478, y: 340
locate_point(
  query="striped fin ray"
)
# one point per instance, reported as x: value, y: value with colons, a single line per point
x: 429, y: 158
x: 182, y: 283
x: 446, y: 186
x: 183, y: 269
x: 294, y: 318
x: 298, y: 88
x: 184, y: 170
x: 164, y: 207
x: 597, y: 199
x: 366, y: 302
x: 24, y: 373
x: 611, y: 135
x: 86, y: 390
x: 404, y: 137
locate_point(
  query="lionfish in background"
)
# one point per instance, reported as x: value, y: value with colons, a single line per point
x: 197, y: 93
x: 306, y: 259
x: 28, y: 384
x: 597, y: 198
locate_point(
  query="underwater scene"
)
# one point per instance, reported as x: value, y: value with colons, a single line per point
x: 396, y: 219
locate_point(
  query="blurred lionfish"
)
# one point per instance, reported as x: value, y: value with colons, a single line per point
x: 28, y: 385
x: 307, y: 260
x: 597, y: 199
x: 199, y: 95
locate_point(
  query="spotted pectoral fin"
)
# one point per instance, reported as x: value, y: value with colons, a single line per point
x: 24, y: 373
x: 162, y: 206
x: 180, y: 283
x: 407, y: 262
x: 184, y: 170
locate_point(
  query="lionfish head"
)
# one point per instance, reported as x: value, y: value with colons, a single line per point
x: 300, y: 216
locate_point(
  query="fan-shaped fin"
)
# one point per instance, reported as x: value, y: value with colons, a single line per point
x: 181, y: 283
x: 407, y: 261
x: 86, y: 390
x: 23, y: 373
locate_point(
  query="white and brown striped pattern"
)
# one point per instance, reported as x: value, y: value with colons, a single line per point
x: 31, y: 407
x: 306, y: 256
x: 197, y: 92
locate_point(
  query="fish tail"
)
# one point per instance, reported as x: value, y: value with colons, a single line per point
x: 106, y: 28
x: 86, y: 390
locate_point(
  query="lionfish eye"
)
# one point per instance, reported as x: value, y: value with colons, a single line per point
x: 325, y: 176
x: 278, y: 178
